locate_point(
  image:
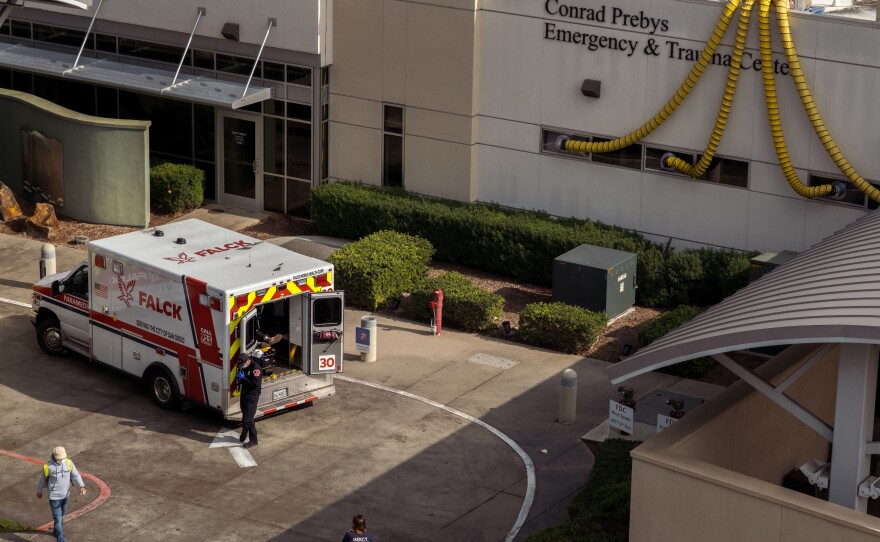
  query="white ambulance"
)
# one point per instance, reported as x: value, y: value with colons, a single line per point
x: 176, y: 305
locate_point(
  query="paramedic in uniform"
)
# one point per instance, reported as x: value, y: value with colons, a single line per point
x: 57, y: 475
x: 250, y: 378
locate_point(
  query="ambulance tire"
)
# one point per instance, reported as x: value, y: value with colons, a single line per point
x: 163, y: 389
x: 49, y: 337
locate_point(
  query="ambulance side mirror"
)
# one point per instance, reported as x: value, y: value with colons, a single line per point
x: 56, y: 288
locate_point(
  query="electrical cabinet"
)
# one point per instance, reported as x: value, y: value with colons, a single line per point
x: 596, y: 278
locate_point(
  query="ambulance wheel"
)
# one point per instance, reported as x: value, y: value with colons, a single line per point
x: 163, y: 390
x: 49, y: 337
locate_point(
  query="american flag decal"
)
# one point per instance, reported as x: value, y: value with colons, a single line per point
x: 101, y: 290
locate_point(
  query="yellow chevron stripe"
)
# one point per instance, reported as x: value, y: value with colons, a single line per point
x: 269, y: 293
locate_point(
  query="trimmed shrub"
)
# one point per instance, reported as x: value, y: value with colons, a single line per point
x: 380, y: 267
x: 651, y: 278
x: 523, y: 244
x: 559, y: 326
x: 465, y: 305
x: 600, y: 511
x: 684, y: 274
x: 176, y: 187
x: 667, y: 322
x: 725, y: 272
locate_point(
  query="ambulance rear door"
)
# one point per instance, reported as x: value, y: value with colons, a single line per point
x: 321, y: 324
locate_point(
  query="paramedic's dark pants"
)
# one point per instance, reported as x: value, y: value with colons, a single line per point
x: 248, y: 410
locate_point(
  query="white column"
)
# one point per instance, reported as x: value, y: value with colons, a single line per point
x: 853, y: 424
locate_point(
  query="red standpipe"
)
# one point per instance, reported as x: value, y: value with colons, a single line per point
x: 437, y: 305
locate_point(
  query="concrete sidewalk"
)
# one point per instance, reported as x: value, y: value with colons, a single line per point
x: 509, y: 386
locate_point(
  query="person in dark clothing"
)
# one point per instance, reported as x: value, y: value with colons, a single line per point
x: 358, y: 532
x: 250, y: 379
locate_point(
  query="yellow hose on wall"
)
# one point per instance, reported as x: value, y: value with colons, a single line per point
x: 810, y: 107
x: 742, y: 32
x: 673, y: 103
x: 773, y: 111
x: 727, y: 99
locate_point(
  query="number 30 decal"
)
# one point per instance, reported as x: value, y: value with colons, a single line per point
x: 326, y: 362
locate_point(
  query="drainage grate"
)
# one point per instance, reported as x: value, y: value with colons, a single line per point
x: 493, y: 361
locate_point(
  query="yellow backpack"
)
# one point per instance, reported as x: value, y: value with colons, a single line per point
x: 46, y: 467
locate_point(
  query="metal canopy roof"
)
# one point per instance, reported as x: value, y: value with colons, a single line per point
x: 191, y: 88
x: 827, y: 294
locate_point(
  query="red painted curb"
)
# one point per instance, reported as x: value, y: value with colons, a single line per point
x: 102, y: 496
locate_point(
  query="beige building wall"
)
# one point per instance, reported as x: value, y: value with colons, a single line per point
x: 419, y: 55
x: 717, y: 474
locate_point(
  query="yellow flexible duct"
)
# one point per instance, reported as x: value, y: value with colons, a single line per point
x: 742, y: 32
x: 727, y: 100
x: 773, y: 111
x: 673, y: 103
x: 811, y: 109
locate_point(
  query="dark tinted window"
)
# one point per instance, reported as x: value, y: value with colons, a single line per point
x: 327, y: 311
x: 630, y: 156
x: 299, y: 75
x: 61, y: 36
x: 149, y: 50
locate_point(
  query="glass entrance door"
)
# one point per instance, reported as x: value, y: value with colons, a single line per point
x: 240, y: 147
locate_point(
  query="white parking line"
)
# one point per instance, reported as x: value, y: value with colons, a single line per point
x: 527, y: 461
x: 14, y: 302
x: 228, y: 438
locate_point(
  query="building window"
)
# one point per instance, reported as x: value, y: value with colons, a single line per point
x: 297, y: 75
x: 628, y: 157
x: 392, y: 148
x: 61, y: 36
x: 21, y: 29
x: 150, y: 51
x: 654, y: 156
x: 851, y: 196
x: 726, y: 171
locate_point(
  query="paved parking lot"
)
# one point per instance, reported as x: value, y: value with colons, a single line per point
x: 415, y: 470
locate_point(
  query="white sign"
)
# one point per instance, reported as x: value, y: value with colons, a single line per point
x: 620, y: 416
x: 664, y: 421
x: 327, y: 363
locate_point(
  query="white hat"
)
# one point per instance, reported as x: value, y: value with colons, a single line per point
x: 59, y: 453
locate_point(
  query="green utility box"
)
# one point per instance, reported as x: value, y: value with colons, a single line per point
x: 596, y: 278
x: 768, y: 261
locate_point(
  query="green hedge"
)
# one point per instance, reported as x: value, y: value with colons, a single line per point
x: 523, y: 244
x: 663, y: 324
x: 176, y: 187
x: 520, y: 244
x: 380, y: 267
x: 559, y: 326
x: 600, y: 511
x: 465, y: 305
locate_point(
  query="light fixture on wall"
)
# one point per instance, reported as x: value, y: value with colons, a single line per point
x: 230, y: 31
x: 591, y: 88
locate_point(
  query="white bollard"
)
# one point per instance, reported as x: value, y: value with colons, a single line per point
x: 47, y: 260
x: 369, y: 322
x: 568, y: 396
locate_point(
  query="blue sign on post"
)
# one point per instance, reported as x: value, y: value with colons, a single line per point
x: 362, y: 339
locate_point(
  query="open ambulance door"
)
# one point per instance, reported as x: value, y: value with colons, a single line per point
x: 318, y: 319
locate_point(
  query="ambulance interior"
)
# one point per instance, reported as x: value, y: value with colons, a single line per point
x: 282, y: 328
x: 266, y: 328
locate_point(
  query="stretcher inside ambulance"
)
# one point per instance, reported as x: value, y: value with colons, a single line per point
x: 176, y: 306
